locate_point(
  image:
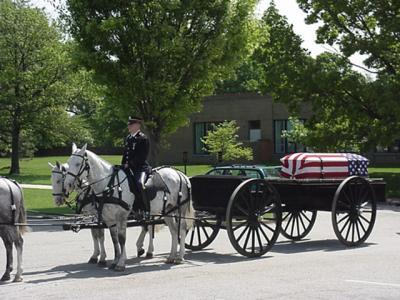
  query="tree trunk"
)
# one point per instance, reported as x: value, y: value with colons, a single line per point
x: 154, y: 147
x: 16, y: 130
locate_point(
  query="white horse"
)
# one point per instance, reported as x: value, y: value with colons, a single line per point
x: 58, y: 173
x: 102, y: 178
x: 12, y: 210
x: 84, y: 191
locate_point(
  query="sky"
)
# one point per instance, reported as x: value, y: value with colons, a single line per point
x: 288, y: 8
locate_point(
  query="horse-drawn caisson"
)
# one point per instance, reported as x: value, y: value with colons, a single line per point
x: 254, y: 211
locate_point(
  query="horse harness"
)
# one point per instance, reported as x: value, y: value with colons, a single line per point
x: 107, y: 194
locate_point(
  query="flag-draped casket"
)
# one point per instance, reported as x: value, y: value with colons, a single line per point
x: 323, y: 165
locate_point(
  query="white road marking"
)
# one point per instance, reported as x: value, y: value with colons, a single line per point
x: 376, y: 283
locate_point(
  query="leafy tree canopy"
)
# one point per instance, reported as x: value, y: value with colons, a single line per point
x: 351, y: 110
x: 160, y: 58
x: 368, y: 27
x: 37, y: 81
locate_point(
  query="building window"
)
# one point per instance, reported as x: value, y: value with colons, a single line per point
x: 282, y: 145
x: 200, y: 131
x: 395, y: 148
x: 254, y: 130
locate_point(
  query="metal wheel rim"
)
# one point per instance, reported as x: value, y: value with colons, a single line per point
x: 254, y: 231
x: 353, y: 211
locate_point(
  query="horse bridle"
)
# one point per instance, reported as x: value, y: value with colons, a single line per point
x: 63, y: 191
x: 84, y: 167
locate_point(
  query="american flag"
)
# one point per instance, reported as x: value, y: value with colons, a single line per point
x: 323, y: 165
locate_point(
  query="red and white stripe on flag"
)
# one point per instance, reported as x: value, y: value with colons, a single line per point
x: 323, y: 165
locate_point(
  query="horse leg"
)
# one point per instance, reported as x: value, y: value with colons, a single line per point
x: 174, y: 239
x: 8, y: 244
x: 150, y: 250
x: 182, y: 233
x: 140, y: 241
x: 121, y: 239
x: 96, y: 249
x: 19, y: 246
x: 103, y: 255
x: 117, y: 252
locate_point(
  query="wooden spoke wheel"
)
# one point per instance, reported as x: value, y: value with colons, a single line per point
x: 204, y: 231
x: 253, y: 217
x: 353, y: 211
x: 297, y: 224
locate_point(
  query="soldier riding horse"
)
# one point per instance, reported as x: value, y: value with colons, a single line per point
x: 173, y: 201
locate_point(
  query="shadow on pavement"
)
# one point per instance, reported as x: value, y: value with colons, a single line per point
x: 211, y: 257
x: 389, y: 206
x: 313, y: 245
x: 134, y: 266
x: 86, y: 270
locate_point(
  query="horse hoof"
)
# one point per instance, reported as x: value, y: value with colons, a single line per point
x: 17, y: 279
x: 112, y: 266
x: 5, y: 277
x: 92, y: 260
x: 140, y: 252
x: 102, y: 264
x: 149, y: 255
x: 169, y: 261
x: 119, y: 268
x: 178, y: 261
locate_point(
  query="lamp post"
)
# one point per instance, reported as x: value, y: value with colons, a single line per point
x: 185, y: 160
x: 220, y: 157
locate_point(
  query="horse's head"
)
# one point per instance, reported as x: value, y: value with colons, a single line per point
x: 77, y: 168
x: 58, y: 173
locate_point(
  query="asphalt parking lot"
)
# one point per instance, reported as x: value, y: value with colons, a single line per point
x: 318, y: 267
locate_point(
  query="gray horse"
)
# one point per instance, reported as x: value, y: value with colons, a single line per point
x: 12, y: 211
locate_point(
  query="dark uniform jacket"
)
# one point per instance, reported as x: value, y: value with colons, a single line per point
x: 136, y: 151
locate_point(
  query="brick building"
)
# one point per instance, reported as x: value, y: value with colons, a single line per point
x: 260, y: 120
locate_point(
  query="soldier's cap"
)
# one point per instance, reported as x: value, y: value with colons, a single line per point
x: 133, y: 120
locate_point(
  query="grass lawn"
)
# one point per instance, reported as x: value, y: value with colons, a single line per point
x: 41, y: 201
x: 37, y: 171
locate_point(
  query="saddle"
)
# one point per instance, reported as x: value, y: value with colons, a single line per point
x: 157, y: 184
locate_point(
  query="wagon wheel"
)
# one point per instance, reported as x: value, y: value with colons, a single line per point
x: 353, y: 211
x: 298, y: 223
x: 204, y: 231
x: 253, y: 217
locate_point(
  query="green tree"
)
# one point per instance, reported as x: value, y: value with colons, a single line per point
x: 246, y: 76
x: 159, y: 58
x: 370, y: 28
x: 223, y: 139
x: 367, y: 27
x: 351, y: 111
x: 32, y: 65
x: 284, y: 62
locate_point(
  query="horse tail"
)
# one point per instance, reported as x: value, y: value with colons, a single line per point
x: 22, y: 214
x: 189, y: 210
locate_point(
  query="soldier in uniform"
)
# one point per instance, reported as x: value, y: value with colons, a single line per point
x: 134, y: 159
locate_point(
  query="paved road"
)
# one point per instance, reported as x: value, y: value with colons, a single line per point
x: 316, y: 268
